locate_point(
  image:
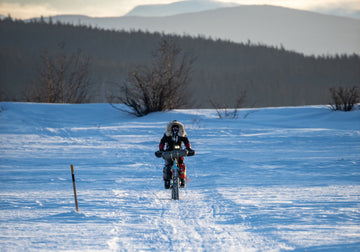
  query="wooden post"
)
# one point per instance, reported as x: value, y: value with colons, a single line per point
x: 73, y: 179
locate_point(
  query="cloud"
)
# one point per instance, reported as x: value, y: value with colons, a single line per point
x: 27, y: 11
x: 24, y: 9
x: 17, y: 10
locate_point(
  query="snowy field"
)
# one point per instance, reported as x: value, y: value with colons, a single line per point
x: 275, y: 179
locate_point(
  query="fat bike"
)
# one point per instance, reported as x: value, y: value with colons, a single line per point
x: 173, y: 156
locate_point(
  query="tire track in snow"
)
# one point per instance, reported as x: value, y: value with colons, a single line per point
x: 231, y: 229
x: 201, y: 220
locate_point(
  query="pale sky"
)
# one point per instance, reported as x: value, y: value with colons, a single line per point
x: 24, y: 9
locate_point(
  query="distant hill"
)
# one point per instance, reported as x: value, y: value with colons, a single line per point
x: 222, y: 70
x: 190, y: 6
x: 160, y: 10
x: 301, y: 31
x: 340, y: 11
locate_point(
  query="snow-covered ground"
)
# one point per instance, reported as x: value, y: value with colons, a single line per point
x: 274, y: 179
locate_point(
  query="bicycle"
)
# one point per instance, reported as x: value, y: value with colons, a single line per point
x: 173, y: 156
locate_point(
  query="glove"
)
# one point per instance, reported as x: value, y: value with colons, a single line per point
x: 158, y: 153
x: 191, y: 152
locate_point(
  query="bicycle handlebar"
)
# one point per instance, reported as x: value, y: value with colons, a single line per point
x: 174, y: 154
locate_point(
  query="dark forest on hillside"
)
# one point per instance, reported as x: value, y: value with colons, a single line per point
x: 222, y: 71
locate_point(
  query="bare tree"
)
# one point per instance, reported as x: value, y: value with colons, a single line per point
x: 344, y: 99
x: 62, y: 79
x: 224, y: 111
x: 160, y: 86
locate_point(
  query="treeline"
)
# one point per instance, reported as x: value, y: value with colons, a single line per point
x: 222, y: 72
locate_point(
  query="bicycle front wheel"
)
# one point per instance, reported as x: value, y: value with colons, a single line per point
x: 175, y: 186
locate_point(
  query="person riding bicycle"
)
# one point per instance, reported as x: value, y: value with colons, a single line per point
x: 173, y: 138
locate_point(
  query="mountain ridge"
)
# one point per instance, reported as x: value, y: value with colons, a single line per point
x: 305, y: 32
x: 190, y: 6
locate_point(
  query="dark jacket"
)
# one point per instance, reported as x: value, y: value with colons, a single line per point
x: 173, y: 143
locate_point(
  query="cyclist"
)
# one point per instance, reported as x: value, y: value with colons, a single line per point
x: 173, y: 139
